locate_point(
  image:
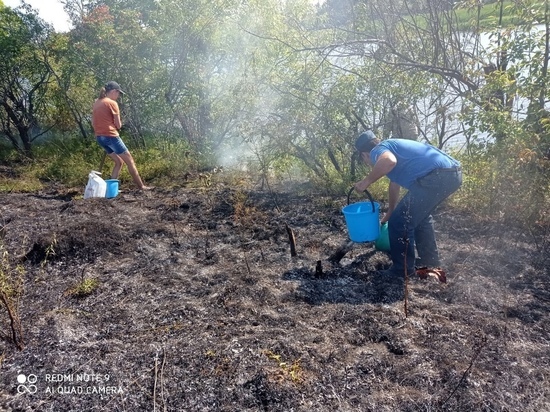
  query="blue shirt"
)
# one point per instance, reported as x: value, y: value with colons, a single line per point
x: 414, y: 160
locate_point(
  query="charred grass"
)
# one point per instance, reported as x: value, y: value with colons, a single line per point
x: 196, y: 305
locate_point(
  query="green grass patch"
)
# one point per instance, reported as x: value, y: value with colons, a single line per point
x: 68, y: 161
x: 489, y: 15
x: 84, y: 288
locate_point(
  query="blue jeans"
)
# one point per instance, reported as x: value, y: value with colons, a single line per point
x: 411, y: 222
x: 111, y: 144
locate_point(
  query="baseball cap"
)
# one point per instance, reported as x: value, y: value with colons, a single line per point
x: 113, y: 86
x: 362, y: 142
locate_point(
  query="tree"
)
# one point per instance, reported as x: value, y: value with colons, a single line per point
x: 167, y: 56
x: 24, y: 77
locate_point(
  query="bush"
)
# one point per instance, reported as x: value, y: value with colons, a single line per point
x: 68, y: 161
x: 508, y: 182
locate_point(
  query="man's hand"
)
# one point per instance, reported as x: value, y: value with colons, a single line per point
x: 361, y: 186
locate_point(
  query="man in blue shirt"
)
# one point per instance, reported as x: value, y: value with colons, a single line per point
x: 429, y: 175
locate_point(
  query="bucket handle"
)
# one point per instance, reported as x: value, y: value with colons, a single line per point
x: 368, y: 195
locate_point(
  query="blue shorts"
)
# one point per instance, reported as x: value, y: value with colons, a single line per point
x: 112, y: 144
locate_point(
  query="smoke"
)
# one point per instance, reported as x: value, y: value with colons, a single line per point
x: 238, y: 156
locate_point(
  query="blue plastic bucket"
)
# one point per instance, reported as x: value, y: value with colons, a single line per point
x: 362, y: 221
x: 112, y: 188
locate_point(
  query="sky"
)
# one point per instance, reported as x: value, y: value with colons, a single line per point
x: 49, y: 10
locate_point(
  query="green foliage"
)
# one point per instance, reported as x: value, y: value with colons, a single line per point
x: 163, y: 163
x: 24, y: 77
x: 20, y: 176
x: 68, y: 161
x: 84, y: 288
x: 476, y: 16
x: 509, y: 182
x: 21, y: 184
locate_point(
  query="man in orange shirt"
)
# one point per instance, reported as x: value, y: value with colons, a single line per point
x: 106, y: 123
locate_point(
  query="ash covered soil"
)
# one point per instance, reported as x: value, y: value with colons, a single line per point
x: 197, y: 305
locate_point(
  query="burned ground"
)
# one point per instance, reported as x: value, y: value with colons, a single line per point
x: 197, y: 305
